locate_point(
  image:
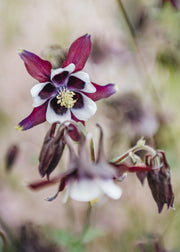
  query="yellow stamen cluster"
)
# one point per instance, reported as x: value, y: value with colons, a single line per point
x: 65, y: 98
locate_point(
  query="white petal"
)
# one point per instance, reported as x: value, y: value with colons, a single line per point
x: 52, y: 117
x: 35, y: 90
x: 88, y: 110
x: 85, y: 190
x: 70, y: 68
x: 110, y: 188
x: 88, y: 88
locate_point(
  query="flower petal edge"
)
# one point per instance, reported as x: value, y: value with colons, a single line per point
x: 102, y: 91
x: 79, y: 52
x: 37, y: 116
x: 38, y: 68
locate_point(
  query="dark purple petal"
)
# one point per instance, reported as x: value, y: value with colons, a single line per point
x: 43, y: 183
x: 37, y: 116
x: 79, y: 52
x: 75, y: 83
x: 77, y: 120
x: 59, y: 110
x: 66, y: 177
x: 79, y: 101
x: 38, y: 68
x: 141, y: 175
x: 73, y: 131
x: 47, y: 91
x: 102, y: 91
x: 59, y: 78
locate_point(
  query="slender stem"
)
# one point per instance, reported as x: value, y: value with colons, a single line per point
x: 87, y: 221
x: 147, y: 80
x: 131, y: 29
x: 133, y: 150
x: 139, y: 58
x: 9, y: 236
x: 70, y: 214
x: 92, y: 150
x: 4, y: 240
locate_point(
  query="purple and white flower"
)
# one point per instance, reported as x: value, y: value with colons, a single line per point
x: 91, y: 189
x: 64, y: 93
x: 84, y: 180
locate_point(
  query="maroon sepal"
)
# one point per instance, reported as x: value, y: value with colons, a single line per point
x: 79, y: 52
x: 102, y: 91
x: 37, y: 116
x: 38, y: 68
x: 43, y: 183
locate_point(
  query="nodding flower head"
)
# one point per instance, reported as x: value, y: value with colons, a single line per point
x: 85, y: 179
x: 64, y: 93
x: 159, y: 180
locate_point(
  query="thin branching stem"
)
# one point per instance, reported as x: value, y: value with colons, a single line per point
x: 86, y: 221
x: 139, y: 58
x: 134, y: 149
x: 130, y: 27
x: 92, y: 150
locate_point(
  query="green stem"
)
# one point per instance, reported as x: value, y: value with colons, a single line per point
x: 9, y: 235
x: 139, y: 58
x: 4, y: 241
x: 130, y: 27
x: 147, y: 80
x: 87, y: 221
x: 133, y: 150
x: 92, y: 150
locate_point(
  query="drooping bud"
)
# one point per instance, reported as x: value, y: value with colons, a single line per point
x: 159, y: 181
x: 141, y: 175
x: 47, y: 150
x: 51, y: 151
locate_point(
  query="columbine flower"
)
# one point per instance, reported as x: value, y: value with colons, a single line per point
x: 63, y: 93
x: 88, y: 181
x: 85, y: 180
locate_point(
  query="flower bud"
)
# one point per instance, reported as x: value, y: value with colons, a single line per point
x: 159, y: 181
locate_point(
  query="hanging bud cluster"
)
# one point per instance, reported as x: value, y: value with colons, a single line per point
x: 89, y: 175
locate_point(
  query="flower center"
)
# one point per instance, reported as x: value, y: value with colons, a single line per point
x: 65, y: 98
